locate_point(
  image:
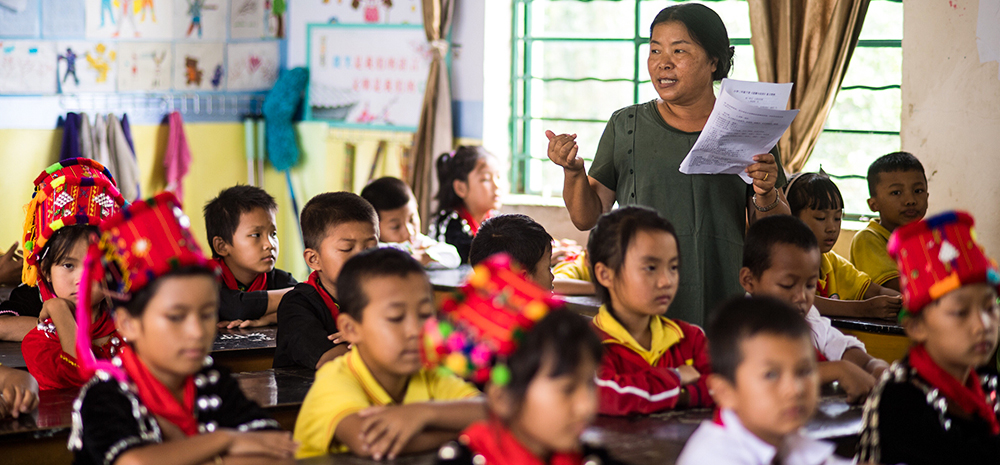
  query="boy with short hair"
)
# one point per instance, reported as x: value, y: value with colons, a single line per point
x: 897, y: 187
x: 521, y: 237
x: 399, y: 224
x: 933, y: 407
x: 243, y: 236
x: 377, y: 400
x: 766, y: 383
x: 781, y: 259
x: 335, y: 227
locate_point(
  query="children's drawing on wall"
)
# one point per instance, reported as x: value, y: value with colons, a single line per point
x: 252, y: 66
x: 275, y: 18
x: 383, y: 86
x: 246, y: 19
x: 144, y: 67
x: 200, y: 19
x: 129, y: 19
x: 27, y: 67
x: 85, y: 66
x: 198, y: 66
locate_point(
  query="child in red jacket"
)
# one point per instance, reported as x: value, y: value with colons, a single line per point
x: 71, y: 198
x: 651, y: 363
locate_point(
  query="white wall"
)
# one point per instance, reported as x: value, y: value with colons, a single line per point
x: 951, y: 111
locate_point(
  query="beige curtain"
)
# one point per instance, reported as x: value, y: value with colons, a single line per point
x: 809, y: 43
x: 434, y: 134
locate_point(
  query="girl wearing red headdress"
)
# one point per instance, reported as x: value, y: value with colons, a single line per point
x: 71, y: 198
x: 161, y: 400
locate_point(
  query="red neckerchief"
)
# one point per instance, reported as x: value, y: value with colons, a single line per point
x: 259, y: 283
x: 327, y: 298
x: 717, y: 417
x: 495, y: 443
x: 970, y: 398
x: 464, y: 214
x: 819, y: 356
x: 821, y: 287
x: 156, y: 397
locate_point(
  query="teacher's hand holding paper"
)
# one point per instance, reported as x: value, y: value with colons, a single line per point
x: 747, y: 120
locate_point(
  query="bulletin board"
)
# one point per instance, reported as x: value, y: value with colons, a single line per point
x: 50, y: 47
x: 367, y: 76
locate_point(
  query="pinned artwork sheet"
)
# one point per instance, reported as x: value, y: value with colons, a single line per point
x: 748, y: 119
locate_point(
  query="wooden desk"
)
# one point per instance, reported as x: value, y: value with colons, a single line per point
x: 660, y: 438
x: 236, y: 349
x: 40, y: 438
x: 446, y: 281
x: 884, y: 339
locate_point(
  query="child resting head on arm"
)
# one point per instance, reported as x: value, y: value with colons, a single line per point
x: 71, y: 198
x: 842, y: 289
x: 781, y: 260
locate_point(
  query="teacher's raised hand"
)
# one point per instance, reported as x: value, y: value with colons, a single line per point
x: 564, y: 151
x: 764, y: 173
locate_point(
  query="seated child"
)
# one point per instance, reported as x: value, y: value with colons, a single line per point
x: 842, y: 289
x: 766, y: 386
x: 541, y: 395
x: 335, y: 226
x: 572, y: 275
x: 161, y: 401
x: 651, y: 363
x: 468, y: 194
x: 897, y: 188
x: 19, y: 392
x: 399, y: 224
x: 19, y: 313
x: 71, y: 198
x: 520, y: 237
x: 933, y: 407
x: 377, y: 401
x: 243, y: 237
x: 781, y: 260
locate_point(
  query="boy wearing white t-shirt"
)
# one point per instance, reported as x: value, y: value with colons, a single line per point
x: 781, y: 259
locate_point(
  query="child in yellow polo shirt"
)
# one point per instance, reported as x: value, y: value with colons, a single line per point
x: 842, y: 290
x: 376, y: 401
x: 898, y: 189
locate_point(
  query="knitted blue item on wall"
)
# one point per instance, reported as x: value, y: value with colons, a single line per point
x: 279, y: 109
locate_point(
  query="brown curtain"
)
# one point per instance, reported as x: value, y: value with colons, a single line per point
x: 810, y: 44
x: 434, y: 134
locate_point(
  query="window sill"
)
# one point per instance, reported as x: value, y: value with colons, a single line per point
x: 533, y: 200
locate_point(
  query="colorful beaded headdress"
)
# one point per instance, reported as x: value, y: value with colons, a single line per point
x: 77, y: 191
x: 139, y: 244
x: 936, y: 256
x: 484, y: 321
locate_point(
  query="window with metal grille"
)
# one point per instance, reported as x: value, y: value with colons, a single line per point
x: 574, y: 62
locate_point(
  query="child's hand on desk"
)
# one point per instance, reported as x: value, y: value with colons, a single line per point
x: 688, y: 374
x: 883, y: 306
x: 386, y: 430
x: 18, y: 392
x: 277, y: 444
x: 853, y: 380
x: 270, y: 319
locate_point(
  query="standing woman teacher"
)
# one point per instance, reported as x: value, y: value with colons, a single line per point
x: 639, y: 156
